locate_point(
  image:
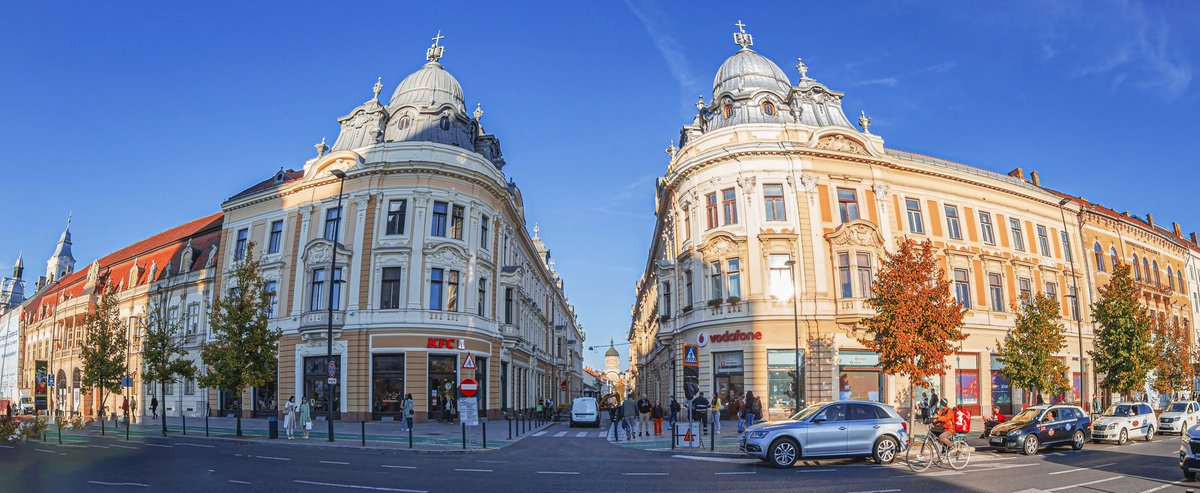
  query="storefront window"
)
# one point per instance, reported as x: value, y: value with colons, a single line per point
x: 443, y: 381
x: 387, y: 385
x: 858, y: 376
x: 728, y: 381
x: 265, y: 400
x: 781, y: 381
x: 316, y: 371
x: 1002, y: 398
x: 968, y: 381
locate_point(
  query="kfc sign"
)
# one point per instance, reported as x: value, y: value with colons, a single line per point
x: 439, y: 343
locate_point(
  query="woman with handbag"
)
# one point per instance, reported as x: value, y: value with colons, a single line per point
x: 408, y: 412
x: 306, y: 416
x: 289, y: 417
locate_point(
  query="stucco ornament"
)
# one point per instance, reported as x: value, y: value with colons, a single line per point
x: 840, y: 143
x: 320, y: 252
x: 446, y: 256
x: 808, y: 183
x: 856, y: 233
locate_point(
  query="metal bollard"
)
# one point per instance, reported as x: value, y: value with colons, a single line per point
x: 409, y: 437
x: 184, y: 416
x: 484, y: 434
x: 509, y: 427
x: 205, y: 424
x: 464, y: 435
x: 102, y: 425
x: 712, y: 445
x: 364, y: 432
x: 672, y: 425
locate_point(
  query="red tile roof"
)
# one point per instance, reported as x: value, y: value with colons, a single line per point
x: 277, y: 180
x: 1133, y: 220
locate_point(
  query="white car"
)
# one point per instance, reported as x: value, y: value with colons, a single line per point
x: 585, y: 411
x: 1178, y: 417
x: 1123, y: 421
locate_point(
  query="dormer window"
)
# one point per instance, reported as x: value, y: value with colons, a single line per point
x: 727, y: 110
x: 768, y: 108
x: 444, y: 123
x: 404, y: 122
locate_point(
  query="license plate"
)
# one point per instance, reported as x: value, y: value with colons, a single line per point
x: 997, y: 441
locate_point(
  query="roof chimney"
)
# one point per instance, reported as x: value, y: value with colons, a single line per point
x: 1019, y: 173
x: 1150, y: 219
x: 1178, y: 232
x: 1195, y: 241
x: 1034, y: 176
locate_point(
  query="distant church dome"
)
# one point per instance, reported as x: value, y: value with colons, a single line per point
x: 747, y: 72
x: 430, y: 86
x: 612, y: 351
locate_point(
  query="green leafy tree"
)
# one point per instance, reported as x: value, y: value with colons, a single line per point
x: 243, y: 352
x: 1123, y: 348
x: 918, y: 323
x: 1173, y: 370
x: 1030, y: 346
x: 163, y: 350
x: 104, y: 344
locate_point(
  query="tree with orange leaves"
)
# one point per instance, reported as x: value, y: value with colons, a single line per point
x: 918, y: 322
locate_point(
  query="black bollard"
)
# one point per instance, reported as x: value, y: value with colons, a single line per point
x: 184, y: 416
x: 409, y: 437
x: 364, y: 433
x: 102, y: 425
x: 464, y: 435
x: 509, y: 427
x: 205, y: 424
x: 128, y: 423
x: 484, y: 434
x: 672, y: 425
x: 712, y: 444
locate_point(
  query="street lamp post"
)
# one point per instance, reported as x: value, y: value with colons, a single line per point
x: 796, y: 330
x: 1075, y: 312
x: 341, y: 176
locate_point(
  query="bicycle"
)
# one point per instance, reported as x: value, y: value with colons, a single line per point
x: 930, y: 451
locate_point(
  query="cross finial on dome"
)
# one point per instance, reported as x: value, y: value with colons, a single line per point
x: 800, y: 66
x: 478, y: 114
x: 377, y: 87
x: 671, y: 149
x: 536, y: 229
x: 435, y: 52
x: 742, y: 38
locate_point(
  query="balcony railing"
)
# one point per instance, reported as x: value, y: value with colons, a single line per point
x: 313, y: 324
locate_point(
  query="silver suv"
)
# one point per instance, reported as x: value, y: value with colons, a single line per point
x: 830, y: 429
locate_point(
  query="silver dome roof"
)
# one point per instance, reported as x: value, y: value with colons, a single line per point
x: 747, y: 71
x: 432, y: 85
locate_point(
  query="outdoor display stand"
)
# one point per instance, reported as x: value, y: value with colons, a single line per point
x: 688, y: 434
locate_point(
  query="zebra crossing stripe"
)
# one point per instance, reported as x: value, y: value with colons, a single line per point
x: 538, y: 434
x: 560, y: 434
x: 582, y: 434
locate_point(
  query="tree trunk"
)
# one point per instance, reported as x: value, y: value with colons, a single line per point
x: 912, y: 405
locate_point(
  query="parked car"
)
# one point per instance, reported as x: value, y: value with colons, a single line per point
x: 1178, y: 417
x: 585, y: 410
x: 1125, y: 420
x: 1189, y: 452
x: 1043, y: 426
x: 830, y: 429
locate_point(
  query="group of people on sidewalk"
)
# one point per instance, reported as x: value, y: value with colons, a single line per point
x: 635, y: 418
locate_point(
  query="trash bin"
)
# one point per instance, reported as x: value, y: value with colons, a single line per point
x: 272, y: 427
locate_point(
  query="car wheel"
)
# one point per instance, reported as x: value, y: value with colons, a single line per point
x: 1150, y: 434
x: 884, y: 451
x: 1031, y: 445
x: 1077, y: 440
x: 1124, y: 437
x: 783, y: 453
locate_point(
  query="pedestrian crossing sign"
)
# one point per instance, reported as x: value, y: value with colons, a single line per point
x: 691, y: 355
x: 469, y: 362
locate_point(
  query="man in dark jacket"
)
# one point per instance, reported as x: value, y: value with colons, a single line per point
x: 643, y: 408
x: 700, y: 411
x: 675, y: 409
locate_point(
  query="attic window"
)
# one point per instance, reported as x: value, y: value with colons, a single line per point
x: 727, y: 110
x: 405, y: 121
x: 768, y: 108
x: 445, y: 123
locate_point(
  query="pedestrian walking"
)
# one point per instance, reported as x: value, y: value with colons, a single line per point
x: 449, y: 409
x: 133, y: 407
x: 931, y: 406
x: 630, y: 413
x: 154, y: 406
x: 644, y: 407
x: 923, y: 407
x: 408, y: 412
x: 614, y: 417
x: 700, y: 411
x: 751, y: 411
x: 656, y: 414
x: 541, y: 409
x: 306, y: 416
x: 716, y: 414
x: 675, y: 409
x: 289, y: 417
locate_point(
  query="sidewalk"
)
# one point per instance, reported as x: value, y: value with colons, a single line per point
x: 432, y: 436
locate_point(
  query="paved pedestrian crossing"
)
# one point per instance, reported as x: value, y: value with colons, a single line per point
x: 569, y: 434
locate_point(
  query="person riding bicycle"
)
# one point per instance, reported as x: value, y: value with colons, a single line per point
x: 943, y: 424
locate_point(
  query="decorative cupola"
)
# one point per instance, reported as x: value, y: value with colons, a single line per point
x: 62, y: 263
x: 363, y: 126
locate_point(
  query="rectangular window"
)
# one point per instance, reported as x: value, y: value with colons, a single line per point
x: 996, y: 292
x: 847, y: 204
x: 193, y: 320
x: 985, y: 226
x: 452, y: 291
x: 843, y: 260
x: 239, y: 249
x: 781, y: 381
x: 189, y: 386
x: 773, y: 202
x: 916, y: 224
x: 962, y: 287
x: 316, y: 297
x: 397, y: 216
x: 1052, y: 290
x: 780, y: 276
x: 729, y: 206
x: 437, y: 225
x: 483, y: 232
x: 276, y: 237
x: 481, y: 304
x: 687, y: 275
x: 389, y: 289
x: 718, y: 281
x: 952, y: 225
x: 435, y: 289
x: 710, y: 210
x: 1018, y: 237
x: 456, y: 222
x: 333, y: 220
x: 273, y: 289
x: 337, y: 288
x: 733, y: 276
x: 1025, y: 287
x: 664, y: 308
x: 687, y: 224
x: 1073, y: 302
x: 865, y: 278
x: 1066, y: 245
x: 1043, y: 240
x: 508, y: 305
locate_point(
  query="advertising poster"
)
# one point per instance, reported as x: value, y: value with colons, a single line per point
x: 969, y: 383
x: 40, y: 390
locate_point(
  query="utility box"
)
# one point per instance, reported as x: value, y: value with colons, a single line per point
x: 272, y: 428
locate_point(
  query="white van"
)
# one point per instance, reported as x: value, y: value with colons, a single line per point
x: 585, y: 411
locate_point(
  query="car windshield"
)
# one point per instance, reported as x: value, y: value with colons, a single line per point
x: 1026, y: 415
x: 1119, y: 410
x: 807, y: 412
x: 1177, y: 407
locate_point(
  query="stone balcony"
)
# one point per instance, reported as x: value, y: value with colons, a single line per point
x: 313, y: 324
x: 851, y: 310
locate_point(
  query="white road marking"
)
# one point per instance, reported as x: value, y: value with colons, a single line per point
x: 473, y: 470
x: 643, y: 474
x: 335, y: 462
x: 271, y: 458
x: 540, y: 433
x: 817, y: 470
x: 198, y: 445
x: 234, y: 481
x: 877, y: 491
x: 560, y: 434
x: 124, y: 447
x: 1177, y: 483
x: 5, y: 446
x: 44, y: 450
x: 102, y: 483
x: 733, y: 473
x: 399, y: 467
x: 356, y: 487
x: 717, y: 459
x: 157, y: 445
x: 1084, y: 484
x: 1082, y: 469
x: 557, y: 472
x: 582, y: 434
x: 98, y: 446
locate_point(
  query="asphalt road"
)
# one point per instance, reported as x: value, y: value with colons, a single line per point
x: 557, y: 461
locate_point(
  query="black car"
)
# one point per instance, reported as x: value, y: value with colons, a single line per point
x: 1042, y: 426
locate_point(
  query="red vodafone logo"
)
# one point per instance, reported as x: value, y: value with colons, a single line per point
x: 702, y: 339
x: 469, y: 387
x: 736, y: 336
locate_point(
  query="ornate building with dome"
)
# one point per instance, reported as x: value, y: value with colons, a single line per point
x: 435, y: 276
x: 773, y: 216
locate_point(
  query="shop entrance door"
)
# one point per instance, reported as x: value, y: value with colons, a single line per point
x: 443, y: 383
x: 730, y: 387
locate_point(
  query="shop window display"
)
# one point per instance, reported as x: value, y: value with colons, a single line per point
x: 781, y: 369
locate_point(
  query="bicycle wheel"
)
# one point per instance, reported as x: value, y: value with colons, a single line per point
x: 960, y: 455
x: 920, y: 456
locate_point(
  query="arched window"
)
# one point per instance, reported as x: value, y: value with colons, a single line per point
x: 1170, y: 278
x: 1157, y: 279
x: 1099, y: 256
x: 768, y: 108
x: 1112, y: 253
x: 404, y: 122
x: 1179, y: 277
x: 727, y: 110
x: 445, y: 123
x: 1137, y: 268
x: 1146, y: 267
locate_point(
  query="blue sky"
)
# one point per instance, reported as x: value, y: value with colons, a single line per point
x: 139, y: 116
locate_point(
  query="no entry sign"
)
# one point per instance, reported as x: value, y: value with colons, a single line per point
x: 468, y: 387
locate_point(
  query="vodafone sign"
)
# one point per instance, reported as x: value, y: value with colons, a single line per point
x: 702, y: 339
